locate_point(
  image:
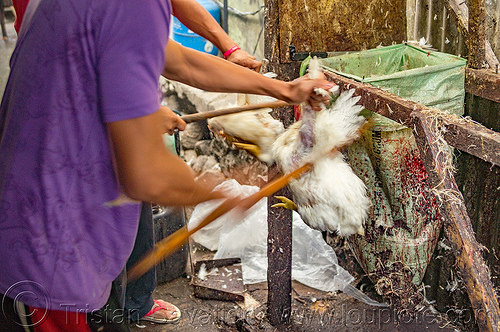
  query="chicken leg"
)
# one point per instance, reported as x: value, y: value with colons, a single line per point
x: 286, y: 203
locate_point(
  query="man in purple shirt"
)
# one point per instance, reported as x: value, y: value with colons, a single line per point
x: 80, y: 122
x: 139, y: 303
x: 76, y: 67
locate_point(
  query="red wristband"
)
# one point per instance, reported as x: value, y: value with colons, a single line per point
x: 230, y: 51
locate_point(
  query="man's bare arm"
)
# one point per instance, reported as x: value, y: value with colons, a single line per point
x: 211, y: 73
x: 147, y: 170
x: 199, y: 20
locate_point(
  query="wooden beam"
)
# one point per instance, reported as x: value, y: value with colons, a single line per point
x: 461, y: 11
x: 465, y: 135
x: 483, y: 83
x: 473, y: 269
x: 279, y: 239
x: 477, y: 34
x: 279, y: 258
x: 462, y: 133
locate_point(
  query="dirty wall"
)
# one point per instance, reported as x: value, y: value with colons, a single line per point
x: 432, y: 20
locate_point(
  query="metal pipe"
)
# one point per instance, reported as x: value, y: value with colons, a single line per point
x: 225, y: 25
x: 237, y: 12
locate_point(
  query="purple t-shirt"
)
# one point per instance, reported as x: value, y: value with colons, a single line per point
x: 77, y: 65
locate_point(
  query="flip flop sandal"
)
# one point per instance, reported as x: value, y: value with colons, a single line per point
x: 157, y: 307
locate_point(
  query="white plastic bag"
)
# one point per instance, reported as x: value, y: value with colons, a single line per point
x: 314, y: 262
x: 209, y: 236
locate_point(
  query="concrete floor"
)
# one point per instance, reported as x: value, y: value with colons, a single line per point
x: 312, y: 310
x: 6, y: 48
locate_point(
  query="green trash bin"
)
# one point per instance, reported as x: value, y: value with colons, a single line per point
x: 404, y: 221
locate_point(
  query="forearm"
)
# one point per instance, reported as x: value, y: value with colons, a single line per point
x: 147, y: 171
x: 199, y: 20
x: 211, y: 73
x: 175, y: 185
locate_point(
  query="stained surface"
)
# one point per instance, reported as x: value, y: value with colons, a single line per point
x: 337, y: 25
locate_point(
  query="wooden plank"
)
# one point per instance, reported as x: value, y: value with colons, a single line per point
x: 478, y: 181
x: 271, y: 38
x: 474, y: 271
x: 477, y: 34
x: 461, y: 11
x: 461, y: 133
x: 483, y: 83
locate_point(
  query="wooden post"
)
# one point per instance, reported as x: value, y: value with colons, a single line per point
x: 279, y: 258
x: 477, y: 35
x: 279, y: 245
x: 461, y: 11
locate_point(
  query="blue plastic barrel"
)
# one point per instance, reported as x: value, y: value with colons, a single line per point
x: 188, y: 38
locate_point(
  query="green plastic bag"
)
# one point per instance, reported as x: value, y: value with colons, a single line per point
x: 433, y: 79
x: 404, y: 220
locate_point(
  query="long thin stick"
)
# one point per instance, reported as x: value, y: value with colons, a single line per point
x: 225, y: 111
x: 174, y: 241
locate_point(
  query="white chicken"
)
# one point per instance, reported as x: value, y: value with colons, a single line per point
x: 254, y: 131
x: 330, y: 197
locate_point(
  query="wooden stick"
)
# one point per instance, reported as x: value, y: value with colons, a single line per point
x: 174, y: 241
x: 483, y: 83
x: 225, y: 111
